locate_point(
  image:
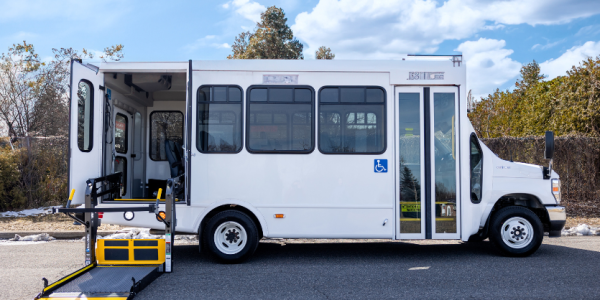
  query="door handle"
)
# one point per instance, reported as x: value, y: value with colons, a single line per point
x: 133, y: 155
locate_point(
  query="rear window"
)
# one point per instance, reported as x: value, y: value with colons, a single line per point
x: 164, y: 125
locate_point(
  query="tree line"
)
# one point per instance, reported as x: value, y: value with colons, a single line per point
x: 567, y: 105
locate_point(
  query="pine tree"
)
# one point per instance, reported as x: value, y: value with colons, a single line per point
x: 273, y: 39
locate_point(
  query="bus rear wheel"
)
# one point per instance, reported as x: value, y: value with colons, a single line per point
x: 231, y: 236
x: 516, y: 231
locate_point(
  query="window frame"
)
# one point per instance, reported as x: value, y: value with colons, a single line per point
x: 126, y: 132
x: 91, y: 129
x: 242, y: 120
x: 312, y: 111
x: 471, y: 138
x: 384, y: 121
x: 150, y: 130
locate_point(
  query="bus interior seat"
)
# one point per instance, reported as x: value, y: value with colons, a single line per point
x: 174, y: 151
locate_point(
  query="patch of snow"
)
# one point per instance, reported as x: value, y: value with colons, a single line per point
x: 32, y: 238
x: 581, y: 230
x: 28, y: 212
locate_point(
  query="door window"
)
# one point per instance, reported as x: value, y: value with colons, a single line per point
x: 410, y: 162
x: 164, y: 125
x: 121, y: 166
x: 444, y: 138
x: 476, y: 168
x: 85, y: 116
x: 121, y: 136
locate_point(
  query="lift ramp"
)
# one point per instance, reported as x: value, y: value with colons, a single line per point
x: 123, y: 268
x: 115, y: 268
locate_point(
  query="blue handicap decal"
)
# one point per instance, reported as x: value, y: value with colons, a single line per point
x: 380, y: 166
x: 109, y: 94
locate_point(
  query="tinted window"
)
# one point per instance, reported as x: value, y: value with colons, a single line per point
x: 219, y: 124
x: 354, y: 122
x: 164, y: 125
x: 85, y: 116
x: 121, y: 133
x: 280, y: 119
x: 476, y: 168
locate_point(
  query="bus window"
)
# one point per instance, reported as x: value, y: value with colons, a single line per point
x: 164, y: 125
x: 219, y: 123
x: 280, y: 119
x: 85, y: 116
x: 352, y: 120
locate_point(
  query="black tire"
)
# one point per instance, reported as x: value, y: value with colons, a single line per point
x: 231, y: 217
x: 507, y: 246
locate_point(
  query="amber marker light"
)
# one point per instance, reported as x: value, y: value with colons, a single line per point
x: 162, y: 215
x: 279, y: 216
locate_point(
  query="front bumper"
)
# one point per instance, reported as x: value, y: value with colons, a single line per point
x: 558, y: 217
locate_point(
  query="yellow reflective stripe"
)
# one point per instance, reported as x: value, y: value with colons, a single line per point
x: 69, y: 277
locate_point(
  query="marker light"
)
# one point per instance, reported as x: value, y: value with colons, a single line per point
x: 162, y: 215
x: 556, y: 189
x: 128, y: 215
x: 279, y: 216
x: 100, y: 215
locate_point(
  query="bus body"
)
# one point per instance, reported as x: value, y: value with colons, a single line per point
x: 304, y: 149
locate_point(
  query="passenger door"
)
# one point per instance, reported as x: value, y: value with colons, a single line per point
x: 85, y: 127
x: 123, y: 160
x: 427, y: 179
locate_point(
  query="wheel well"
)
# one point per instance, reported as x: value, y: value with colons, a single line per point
x: 526, y: 200
x: 225, y: 207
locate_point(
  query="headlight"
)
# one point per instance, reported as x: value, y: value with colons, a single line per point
x: 556, y: 189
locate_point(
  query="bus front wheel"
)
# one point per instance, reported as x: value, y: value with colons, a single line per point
x: 516, y: 231
x: 231, y: 236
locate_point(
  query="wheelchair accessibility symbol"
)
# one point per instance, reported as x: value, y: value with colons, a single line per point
x: 380, y: 166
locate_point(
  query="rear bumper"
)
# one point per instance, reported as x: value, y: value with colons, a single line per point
x: 558, y: 218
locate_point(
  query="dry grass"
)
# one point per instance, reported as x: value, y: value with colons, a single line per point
x: 574, y: 221
x: 58, y: 222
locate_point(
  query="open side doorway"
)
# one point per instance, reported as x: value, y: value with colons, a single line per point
x: 427, y: 180
x: 85, y: 127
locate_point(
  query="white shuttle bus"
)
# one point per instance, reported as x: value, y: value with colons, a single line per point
x: 302, y: 149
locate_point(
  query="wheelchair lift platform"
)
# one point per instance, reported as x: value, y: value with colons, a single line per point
x: 115, y: 268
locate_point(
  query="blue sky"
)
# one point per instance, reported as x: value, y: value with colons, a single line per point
x: 495, y: 37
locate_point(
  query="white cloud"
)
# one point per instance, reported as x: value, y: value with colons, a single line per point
x: 572, y: 57
x: 383, y: 29
x: 546, y: 46
x: 488, y: 65
x: 247, y: 9
x: 207, y: 41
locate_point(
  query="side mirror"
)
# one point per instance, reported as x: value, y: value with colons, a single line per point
x: 549, y: 152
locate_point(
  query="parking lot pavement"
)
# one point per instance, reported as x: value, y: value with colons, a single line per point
x: 566, y: 267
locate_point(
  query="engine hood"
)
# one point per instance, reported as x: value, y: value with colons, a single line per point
x: 503, y: 168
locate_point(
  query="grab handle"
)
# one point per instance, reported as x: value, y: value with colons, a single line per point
x: 70, y: 198
x: 157, y: 200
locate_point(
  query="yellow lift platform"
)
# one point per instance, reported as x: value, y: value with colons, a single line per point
x: 115, y: 268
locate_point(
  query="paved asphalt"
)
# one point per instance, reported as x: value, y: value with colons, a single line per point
x: 563, y: 268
